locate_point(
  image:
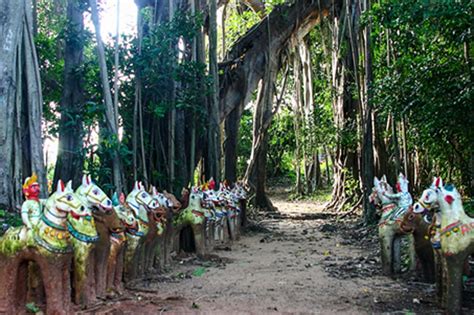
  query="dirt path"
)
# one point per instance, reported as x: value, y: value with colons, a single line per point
x: 301, y: 262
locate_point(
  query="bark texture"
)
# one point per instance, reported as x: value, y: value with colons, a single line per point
x: 21, y: 146
x: 70, y: 156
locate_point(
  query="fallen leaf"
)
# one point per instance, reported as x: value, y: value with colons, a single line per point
x: 199, y: 271
x: 32, y: 308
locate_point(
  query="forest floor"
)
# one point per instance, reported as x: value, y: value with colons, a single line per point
x: 300, y: 260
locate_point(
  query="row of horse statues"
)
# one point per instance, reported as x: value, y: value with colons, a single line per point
x: 439, y: 233
x: 80, y: 245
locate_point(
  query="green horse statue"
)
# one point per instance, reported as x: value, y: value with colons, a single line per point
x: 46, y: 243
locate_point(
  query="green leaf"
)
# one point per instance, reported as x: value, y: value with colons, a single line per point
x: 31, y: 307
x: 199, y: 271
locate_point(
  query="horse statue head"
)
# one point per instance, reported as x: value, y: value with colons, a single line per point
x: 51, y: 232
x: 124, y: 213
x: 402, y: 183
x: 161, y: 198
x: 141, y: 202
x: 429, y: 197
x: 381, y: 187
x: 175, y: 203
x: 80, y: 222
x: 449, y: 199
x: 93, y: 196
x: 61, y: 202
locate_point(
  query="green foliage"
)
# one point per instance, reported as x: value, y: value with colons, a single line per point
x: 32, y: 308
x: 239, y: 21
x: 10, y: 218
x: 199, y: 271
x: 49, y: 42
x: 160, y: 71
x: 429, y: 78
x: 281, y: 144
x: 469, y: 207
x: 319, y: 196
x: 244, y: 146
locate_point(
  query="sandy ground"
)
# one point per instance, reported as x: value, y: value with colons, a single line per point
x: 301, y: 261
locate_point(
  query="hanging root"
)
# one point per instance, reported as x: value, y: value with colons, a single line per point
x: 353, y: 209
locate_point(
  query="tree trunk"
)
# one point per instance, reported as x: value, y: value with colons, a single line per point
x: 255, y: 174
x: 70, y: 158
x: 380, y: 149
x: 344, y: 108
x: 245, y: 63
x: 299, y: 123
x: 367, y: 169
x: 213, y: 168
x: 20, y: 92
x: 110, y: 114
x: 232, y: 124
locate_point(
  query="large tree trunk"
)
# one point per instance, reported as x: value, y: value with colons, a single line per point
x: 255, y: 175
x: 245, y: 63
x: 20, y: 95
x: 345, y: 109
x: 70, y: 156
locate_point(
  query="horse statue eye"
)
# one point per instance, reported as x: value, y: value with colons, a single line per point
x: 96, y: 192
x: 69, y: 198
x: 143, y: 195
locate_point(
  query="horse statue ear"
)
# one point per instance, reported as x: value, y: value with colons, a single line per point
x: 115, y: 199
x: 69, y: 185
x: 84, y: 180
x: 376, y: 181
x: 89, y: 179
x: 136, y: 186
x: 438, y: 182
x: 384, y: 178
x: 122, y: 198
x: 60, y: 186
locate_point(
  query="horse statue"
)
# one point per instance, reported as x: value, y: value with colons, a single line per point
x: 167, y: 249
x: 48, y: 244
x: 118, y: 242
x: 457, y: 242
x: 140, y: 203
x: 240, y: 192
x: 163, y: 249
x: 157, y: 225
x: 231, y: 206
x: 82, y: 228
x: 418, y: 222
x: 217, y: 206
x: 195, y: 218
x: 392, y: 207
x: 428, y: 203
x: 107, y: 222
